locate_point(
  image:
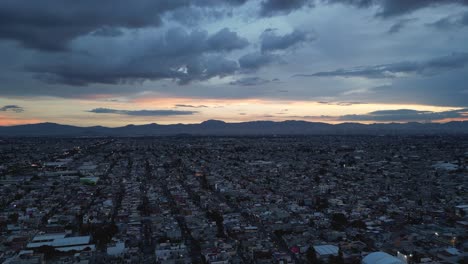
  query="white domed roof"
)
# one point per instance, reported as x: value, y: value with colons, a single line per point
x: 381, y: 258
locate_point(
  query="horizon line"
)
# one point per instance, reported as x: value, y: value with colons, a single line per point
x: 241, y: 122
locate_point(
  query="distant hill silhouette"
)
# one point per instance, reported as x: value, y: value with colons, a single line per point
x: 216, y: 127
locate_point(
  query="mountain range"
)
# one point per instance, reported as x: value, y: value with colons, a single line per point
x: 216, y: 127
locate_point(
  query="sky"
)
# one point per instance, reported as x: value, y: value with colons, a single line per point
x: 119, y: 62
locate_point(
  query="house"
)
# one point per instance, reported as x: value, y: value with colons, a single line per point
x: 325, y: 251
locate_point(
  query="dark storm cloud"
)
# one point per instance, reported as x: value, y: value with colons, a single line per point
x: 389, y: 8
x: 219, y: 2
x: 399, y: 25
x: 12, y: 108
x: 86, y: 71
x: 177, y: 54
x: 226, y: 40
x: 256, y: 60
x: 430, y: 67
x: 449, y: 22
x: 270, y: 41
x: 399, y: 7
x: 51, y: 24
x: 107, y: 32
x: 275, y: 7
x: 250, y: 81
x: 141, y: 112
x: 207, y: 67
x: 405, y: 115
x: 358, y: 3
x: 194, y: 16
x: 107, y: 47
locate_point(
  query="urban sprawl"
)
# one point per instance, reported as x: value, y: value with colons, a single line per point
x: 311, y: 199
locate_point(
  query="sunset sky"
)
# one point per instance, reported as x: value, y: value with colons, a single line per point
x: 119, y: 62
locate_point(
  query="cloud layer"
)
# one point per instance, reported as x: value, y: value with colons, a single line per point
x: 406, y: 115
x: 11, y: 108
x: 272, y: 42
x: 51, y: 24
x: 175, y: 54
x: 141, y: 112
x: 397, y: 52
x: 393, y: 70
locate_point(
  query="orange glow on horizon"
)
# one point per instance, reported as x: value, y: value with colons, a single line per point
x: 446, y: 120
x: 8, y: 121
x: 172, y: 101
x: 196, y: 110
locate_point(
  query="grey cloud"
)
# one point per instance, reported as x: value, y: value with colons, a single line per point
x: 341, y: 103
x: 51, y: 24
x: 406, y: 115
x: 207, y: 67
x: 256, y: 60
x: 85, y: 71
x: 358, y: 3
x: 399, y: 25
x: 141, y: 112
x: 430, y: 67
x: 107, y: 32
x: 219, y: 2
x: 270, y: 41
x: 193, y: 16
x: 449, y: 22
x: 275, y: 7
x: 226, y: 40
x: 386, y: 8
x: 389, y: 8
x: 177, y: 54
x: 190, y: 106
x: 123, y: 50
x: 446, y: 89
x: 12, y: 108
x: 250, y: 81
x: 398, y: 7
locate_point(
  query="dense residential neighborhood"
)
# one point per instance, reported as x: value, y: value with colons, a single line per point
x: 311, y: 199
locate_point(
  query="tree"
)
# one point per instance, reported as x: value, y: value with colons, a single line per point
x: 13, y: 217
x: 311, y: 256
x: 358, y: 224
x: 339, y: 221
x: 103, y: 234
x: 219, y: 219
x: 48, y: 251
x: 321, y: 203
x: 337, y: 259
x: 311, y: 222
